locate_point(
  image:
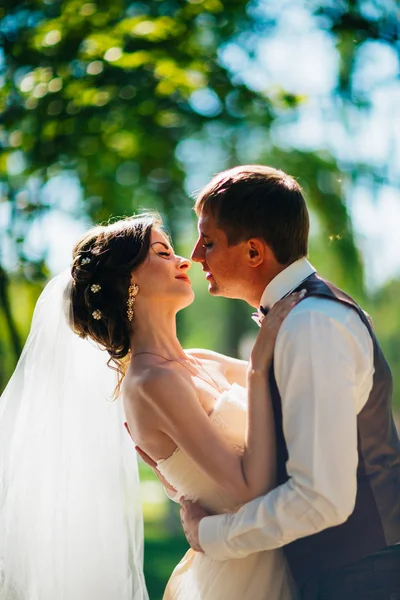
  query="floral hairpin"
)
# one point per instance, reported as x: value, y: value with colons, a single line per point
x: 95, y: 288
x: 85, y: 261
x: 96, y: 314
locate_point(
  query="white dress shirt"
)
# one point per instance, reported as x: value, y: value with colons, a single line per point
x: 324, y: 369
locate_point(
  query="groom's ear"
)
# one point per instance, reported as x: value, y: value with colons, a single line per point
x: 258, y: 252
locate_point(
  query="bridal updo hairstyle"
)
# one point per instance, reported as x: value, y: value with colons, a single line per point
x: 255, y: 201
x: 103, y: 261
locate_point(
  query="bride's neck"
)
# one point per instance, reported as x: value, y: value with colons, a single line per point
x: 155, y: 332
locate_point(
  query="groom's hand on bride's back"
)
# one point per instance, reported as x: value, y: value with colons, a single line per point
x: 146, y: 458
x: 191, y: 515
x: 149, y: 461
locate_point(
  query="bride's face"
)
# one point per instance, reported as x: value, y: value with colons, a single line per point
x: 163, y: 276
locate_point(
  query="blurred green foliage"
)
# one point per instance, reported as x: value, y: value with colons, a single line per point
x: 108, y: 92
x: 384, y: 307
x: 105, y: 89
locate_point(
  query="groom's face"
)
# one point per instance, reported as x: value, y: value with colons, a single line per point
x: 223, y: 265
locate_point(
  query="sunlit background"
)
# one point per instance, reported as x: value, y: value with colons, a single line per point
x: 111, y: 107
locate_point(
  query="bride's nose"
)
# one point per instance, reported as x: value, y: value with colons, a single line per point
x: 184, y: 263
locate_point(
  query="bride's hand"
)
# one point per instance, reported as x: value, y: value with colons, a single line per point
x: 263, y: 350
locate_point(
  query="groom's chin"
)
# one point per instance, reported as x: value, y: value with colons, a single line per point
x: 213, y: 289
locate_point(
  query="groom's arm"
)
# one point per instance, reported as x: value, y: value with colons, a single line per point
x: 324, y: 369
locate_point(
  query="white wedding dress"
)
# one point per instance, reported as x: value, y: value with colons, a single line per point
x: 260, y: 576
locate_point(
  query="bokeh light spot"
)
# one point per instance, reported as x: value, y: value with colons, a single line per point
x: 52, y: 38
x: 95, y: 67
x: 113, y: 54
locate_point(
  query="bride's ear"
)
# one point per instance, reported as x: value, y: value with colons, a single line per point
x: 258, y: 252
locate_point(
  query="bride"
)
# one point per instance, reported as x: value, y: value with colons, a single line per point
x: 69, y: 498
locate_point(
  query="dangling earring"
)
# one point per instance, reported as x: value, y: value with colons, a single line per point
x: 133, y: 291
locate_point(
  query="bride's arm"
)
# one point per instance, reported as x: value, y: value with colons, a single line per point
x: 171, y: 402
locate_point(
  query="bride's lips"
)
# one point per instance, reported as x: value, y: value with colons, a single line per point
x: 184, y: 278
x: 209, y: 276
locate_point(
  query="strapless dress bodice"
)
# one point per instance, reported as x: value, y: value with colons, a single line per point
x: 229, y: 415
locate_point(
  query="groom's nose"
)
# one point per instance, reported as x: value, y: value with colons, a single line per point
x: 198, y: 254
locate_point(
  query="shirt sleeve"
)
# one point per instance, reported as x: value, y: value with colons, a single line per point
x: 322, y: 366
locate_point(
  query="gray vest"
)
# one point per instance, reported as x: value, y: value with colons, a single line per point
x: 375, y: 521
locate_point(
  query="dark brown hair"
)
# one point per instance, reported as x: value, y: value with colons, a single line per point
x: 261, y: 202
x: 106, y: 257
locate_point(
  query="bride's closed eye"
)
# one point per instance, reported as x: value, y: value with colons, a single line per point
x: 161, y: 249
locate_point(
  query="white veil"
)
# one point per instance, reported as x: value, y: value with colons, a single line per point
x: 71, y: 524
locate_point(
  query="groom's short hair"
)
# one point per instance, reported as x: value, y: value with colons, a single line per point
x: 261, y: 202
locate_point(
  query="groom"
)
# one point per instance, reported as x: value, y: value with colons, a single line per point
x: 336, y: 507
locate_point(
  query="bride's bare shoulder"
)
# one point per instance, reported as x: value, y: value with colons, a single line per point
x: 148, y: 381
x: 234, y: 369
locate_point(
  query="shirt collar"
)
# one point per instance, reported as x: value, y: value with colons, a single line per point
x: 286, y: 281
